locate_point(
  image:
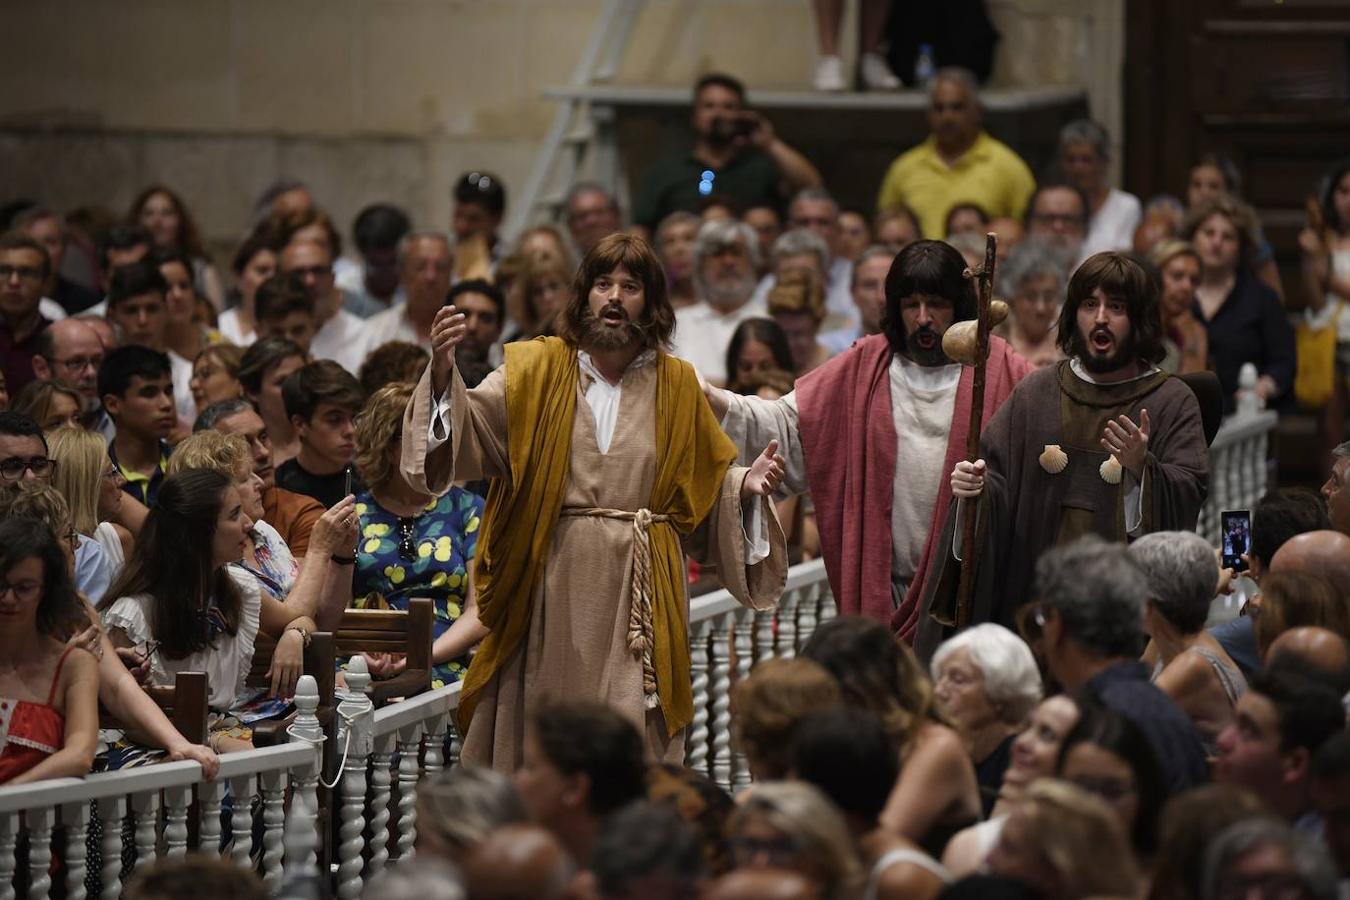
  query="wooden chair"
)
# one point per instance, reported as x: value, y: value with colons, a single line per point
x: 392, y: 631
x: 184, y: 704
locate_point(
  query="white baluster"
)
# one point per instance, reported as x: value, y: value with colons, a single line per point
x: 807, y: 612
x: 787, y: 625
x: 9, y: 836
x: 763, y: 635
x: 145, y: 830
x: 435, y: 743
x: 409, y: 739
x: 743, y: 638
x: 75, y: 817
x: 357, y: 717
x: 111, y: 812
x: 828, y: 609
x: 719, y: 691
x: 302, y: 837
x: 456, y: 743
x: 176, y: 802
x: 39, y: 823
x: 209, y: 797
x: 696, y: 746
x: 241, y: 820
x: 380, y: 781
x: 273, y: 786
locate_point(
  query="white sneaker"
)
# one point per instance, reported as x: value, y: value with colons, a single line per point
x: 830, y: 74
x: 876, y: 75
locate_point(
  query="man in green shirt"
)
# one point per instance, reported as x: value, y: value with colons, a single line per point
x: 735, y: 154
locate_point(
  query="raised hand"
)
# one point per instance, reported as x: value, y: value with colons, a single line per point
x: 968, y: 479
x: 1128, y: 442
x: 447, y: 330
x: 335, y: 530
x: 765, y: 474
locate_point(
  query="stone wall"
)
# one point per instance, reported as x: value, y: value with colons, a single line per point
x: 390, y: 99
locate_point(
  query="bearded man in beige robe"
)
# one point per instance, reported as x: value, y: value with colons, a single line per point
x: 606, y: 466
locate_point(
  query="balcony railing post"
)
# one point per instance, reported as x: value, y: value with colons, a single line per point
x: 75, y: 818
x: 355, y: 736
x: 9, y: 836
x: 302, y: 840
x: 111, y: 812
x: 39, y: 823
x: 720, y: 693
x: 380, y: 794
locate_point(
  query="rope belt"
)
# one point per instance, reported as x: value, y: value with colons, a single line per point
x: 641, y: 634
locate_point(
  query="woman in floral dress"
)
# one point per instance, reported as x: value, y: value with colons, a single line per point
x: 413, y: 544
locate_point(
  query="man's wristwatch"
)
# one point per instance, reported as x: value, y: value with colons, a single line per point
x: 343, y: 560
x: 305, y: 636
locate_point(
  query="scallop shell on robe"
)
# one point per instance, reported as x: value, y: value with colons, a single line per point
x: 1111, y: 471
x: 1053, y: 459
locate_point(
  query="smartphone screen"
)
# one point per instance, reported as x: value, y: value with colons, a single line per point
x: 1236, y: 527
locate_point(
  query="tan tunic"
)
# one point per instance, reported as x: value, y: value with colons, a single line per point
x: 576, y: 646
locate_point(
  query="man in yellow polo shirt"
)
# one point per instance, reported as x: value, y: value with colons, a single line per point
x: 958, y: 163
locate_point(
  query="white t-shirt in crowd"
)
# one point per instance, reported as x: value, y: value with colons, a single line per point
x: 344, y: 338
x: 394, y: 325
x: 183, y: 404
x: 232, y: 329
x: 702, y: 334
x: 1112, y: 228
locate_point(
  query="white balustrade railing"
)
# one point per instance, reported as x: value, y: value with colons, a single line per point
x: 726, y: 642
x: 156, y: 799
x: 1237, y: 468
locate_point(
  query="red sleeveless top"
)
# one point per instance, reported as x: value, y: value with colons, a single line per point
x: 30, y: 732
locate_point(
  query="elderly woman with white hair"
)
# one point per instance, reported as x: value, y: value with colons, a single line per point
x: 987, y: 682
x: 1191, y: 667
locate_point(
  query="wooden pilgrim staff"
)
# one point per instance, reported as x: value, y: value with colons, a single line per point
x: 968, y: 343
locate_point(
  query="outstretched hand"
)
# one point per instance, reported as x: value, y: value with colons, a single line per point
x: 1128, y: 442
x: 447, y: 330
x: 765, y: 474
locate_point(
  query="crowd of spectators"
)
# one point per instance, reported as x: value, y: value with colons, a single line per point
x: 191, y: 463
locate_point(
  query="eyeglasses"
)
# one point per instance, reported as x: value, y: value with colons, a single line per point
x: 79, y: 363
x: 24, y: 591
x: 12, y: 469
x: 407, y: 547
x: 25, y: 273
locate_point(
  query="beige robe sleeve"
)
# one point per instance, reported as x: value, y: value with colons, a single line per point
x: 751, y: 422
x: 475, y: 446
x: 720, y: 541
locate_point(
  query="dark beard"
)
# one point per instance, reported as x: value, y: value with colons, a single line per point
x: 596, y: 335
x: 929, y: 357
x: 1101, y: 365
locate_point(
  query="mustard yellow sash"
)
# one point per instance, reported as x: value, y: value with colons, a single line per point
x: 692, y: 457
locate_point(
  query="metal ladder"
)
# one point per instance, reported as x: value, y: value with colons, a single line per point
x: 571, y: 137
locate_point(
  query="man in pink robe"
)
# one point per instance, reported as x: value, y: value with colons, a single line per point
x: 873, y: 433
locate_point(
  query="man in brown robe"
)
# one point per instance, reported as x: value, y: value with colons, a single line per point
x: 1101, y: 443
x: 606, y: 466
